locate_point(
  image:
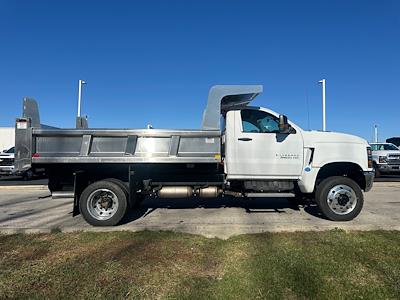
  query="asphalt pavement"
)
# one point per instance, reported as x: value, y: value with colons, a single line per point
x: 31, y: 209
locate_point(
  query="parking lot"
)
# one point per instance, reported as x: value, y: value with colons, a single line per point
x: 30, y: 208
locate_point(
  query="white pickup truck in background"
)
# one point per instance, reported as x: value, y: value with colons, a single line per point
x: 7, y: 166
x: 7, y: 161
x: 386, y: 157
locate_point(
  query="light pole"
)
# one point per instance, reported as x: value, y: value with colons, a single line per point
x: 376, y: 133
x: 80, y: 83
x: 323, y: 105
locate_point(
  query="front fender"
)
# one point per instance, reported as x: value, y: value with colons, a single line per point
x: 326, y: 153
x: 308, y: 180
x: 324, y: 156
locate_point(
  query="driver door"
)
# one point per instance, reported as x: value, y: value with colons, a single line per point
x: 256, y: 150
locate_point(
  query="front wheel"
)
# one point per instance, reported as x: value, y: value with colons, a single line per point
x: 28, y: 175
x: 339, y: 198
x: 103, y: 203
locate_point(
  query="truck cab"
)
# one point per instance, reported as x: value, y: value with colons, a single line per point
x: 262, y: 145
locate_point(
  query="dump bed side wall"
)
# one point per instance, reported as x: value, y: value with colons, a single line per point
x: 53, y: 146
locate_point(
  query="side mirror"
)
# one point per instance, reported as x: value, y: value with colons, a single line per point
x: 284, y: 126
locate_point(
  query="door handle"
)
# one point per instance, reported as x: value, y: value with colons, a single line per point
x: 245, y: 139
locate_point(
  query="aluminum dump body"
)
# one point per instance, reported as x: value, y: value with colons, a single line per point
x: 53, y: 146
x: 125, y: 146
x: 40, y: 144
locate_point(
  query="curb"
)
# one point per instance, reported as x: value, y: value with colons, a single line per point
x: 23, y: 187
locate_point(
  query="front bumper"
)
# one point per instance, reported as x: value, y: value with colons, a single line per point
x: 388, y: 168
x: 369, y: 180
x: 6, y: 170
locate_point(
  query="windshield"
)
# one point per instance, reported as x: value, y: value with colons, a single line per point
x: 11, y: 150
x: 379, y: 147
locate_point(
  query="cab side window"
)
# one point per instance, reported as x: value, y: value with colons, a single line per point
x: 259, y: 121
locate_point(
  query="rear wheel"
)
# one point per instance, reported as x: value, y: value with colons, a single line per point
x: 121, y: 184
x: 339, y: 198
x: 137, y: 197
x: 103, y: 203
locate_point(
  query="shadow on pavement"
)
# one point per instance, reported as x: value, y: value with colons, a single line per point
x: 251, y: 206
x: 16, y: 180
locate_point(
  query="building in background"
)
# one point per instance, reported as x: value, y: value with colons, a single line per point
x: 7, y: 138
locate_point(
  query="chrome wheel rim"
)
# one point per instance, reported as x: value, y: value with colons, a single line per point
x: 342, y: 199
x: 102, y: 204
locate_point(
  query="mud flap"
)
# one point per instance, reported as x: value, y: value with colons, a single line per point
x: 134, y: 185
x: 80, y: 183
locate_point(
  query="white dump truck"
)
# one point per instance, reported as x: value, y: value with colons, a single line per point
x: 241, y: 151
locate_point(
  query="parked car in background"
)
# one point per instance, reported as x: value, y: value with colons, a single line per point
x: 7, y: 162
x: 7, y: 166
x: 386, y: 158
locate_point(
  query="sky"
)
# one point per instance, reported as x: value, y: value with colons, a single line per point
x: 153, y: 62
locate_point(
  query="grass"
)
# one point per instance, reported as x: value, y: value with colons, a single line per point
x: 154, y: 265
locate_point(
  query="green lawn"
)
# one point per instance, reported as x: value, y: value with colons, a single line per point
x: 310, y: 265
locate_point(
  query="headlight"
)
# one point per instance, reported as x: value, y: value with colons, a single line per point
x: 383, y: 159
x: 369, y: 155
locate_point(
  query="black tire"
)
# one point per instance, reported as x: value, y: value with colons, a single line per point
x: 121, y: 184
x: 86, y: 198
x: 327, y: 186
x: 377, y: 172
x: 28, y: 175
x: 138, y: 198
